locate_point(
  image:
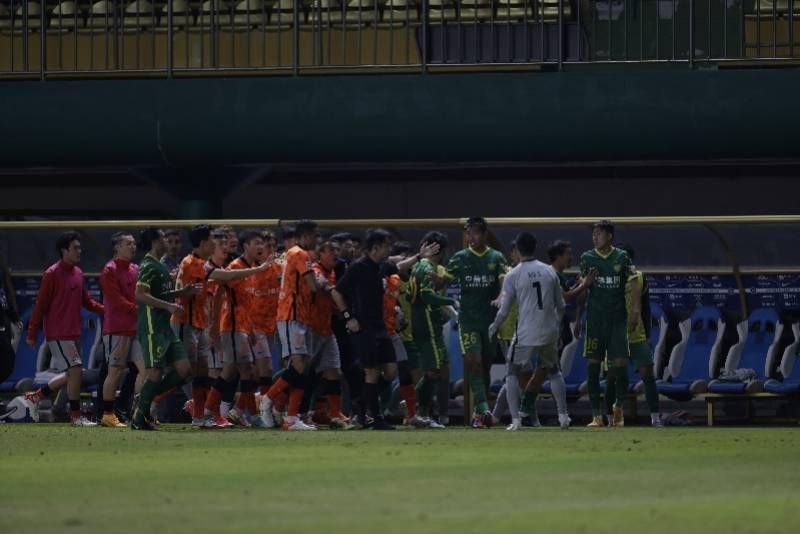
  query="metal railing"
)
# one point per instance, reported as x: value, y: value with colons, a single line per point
x: 85, y: 38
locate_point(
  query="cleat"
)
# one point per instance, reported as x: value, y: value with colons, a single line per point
x: 139, y: 422
x: 154, y: 414
x: 207, y: 422
x: 477, y: 422
x: 488, y: 419
x: 197, y: 421
x: 530, y: 420
x: 597, y: 422
x: 257, y: 422
x: 237, y: 418
x: 82, y: 421
x: 515, y: 425
x: 297, y: 425
x: 655, y: 420
x: 32, y: 397
x: 419, y: 422
x: 266, y: 412
x: 564, y: 421
x: 221, y: 422
x: 619, y: 416
x: 111, y: 421
x: 436, y: 425
x: 341, y: 423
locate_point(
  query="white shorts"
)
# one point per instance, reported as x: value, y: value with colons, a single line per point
x: 296, y: 338
x: 195, y: 341
x: 263, y: 345
x: 546, y: 356
x: 64, y: 354
x: 236, y: 347
x: 326, y: 353
x: 119, y: 349
x: 399, y: 348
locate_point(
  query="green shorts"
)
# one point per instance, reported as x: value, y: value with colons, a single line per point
x: 641, y: 354
x: 413, y: 354
x: 431, y: 352
x: 162, y: 350
x: 606, y: 339
x: 476, y: 341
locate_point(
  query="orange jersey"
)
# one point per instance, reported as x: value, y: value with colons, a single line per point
x: 266, y: 287
x: 322, y: 307
x: 390, y: 296
x: 294, y: 301
x: 193, y: 270
x: 237, y: 309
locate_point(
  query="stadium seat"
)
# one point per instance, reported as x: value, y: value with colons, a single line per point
x: 442, y: 10
x: 756, y: 339
x: 209, y: 16
x: 282, y: 13
x: 139, y: 14
x: 476, y: 10
x: 688, y: 371
x: 361, y: 11
x: 516, y: 10
x: 548, y: 9
x: 65, y: 17
x: 325, y: 12
x: 778, y: 7
x: 658, y: 336
x: 400, y: 12
x: 182, y: 15
x: 34, y: 16
x: 5, y: 17
x: 249, y: 13
x: 789, y: 368
x: 101, y: 15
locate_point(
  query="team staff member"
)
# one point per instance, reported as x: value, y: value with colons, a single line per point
x: 8, y: 316
x: 58, y: 310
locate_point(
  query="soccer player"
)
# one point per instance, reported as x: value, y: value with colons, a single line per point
x: 9, y: 319
x: 326, y: 350
x: 58, y: 312
x: 289, y: 237
x: 637, y: 290
x: 537, y: 290
x: 298, y: 289
x: 172, y: 259
x: 479, y: 270
x: 160, y: 346
x: 427, y: 319
x: 118, y: 282
x: 607, y: 321
x: 361, y: 290
x: 267, y: 286
x: 560, y: 254
x: 234, y: 325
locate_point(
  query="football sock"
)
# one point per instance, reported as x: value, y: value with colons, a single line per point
x: 478, y: 389
x: 559, y: 390
x: 593, y: 383
x: 622, y: 384
x: 651, y: 393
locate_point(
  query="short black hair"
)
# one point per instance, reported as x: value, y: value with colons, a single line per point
x: 148, y: 235
x: 329, y: 244
x: 219, y: 234
x: 116, y: 238
x: 288, y: 232
x: 173, y: 231
x: 376, y: 237
x: 249, y: 234
x: 65, y: 239
x: 604, y: 225
x: 627, y: 248
x: 356, y: 239
x: 340, y: 237
x: 435, y: 237
x: 304, y: 227
x: 198, y: 234
x: 478, y: 222
x: 526, y: 243
x: 557, y: 248
x: 400, y: 248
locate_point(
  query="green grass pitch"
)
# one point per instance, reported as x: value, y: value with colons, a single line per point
x: 54, y: 478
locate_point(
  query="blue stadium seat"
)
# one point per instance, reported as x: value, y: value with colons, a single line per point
x: 25, y: 364
x: 756, y: 337
x: 789, y: 368
x: 688, y: 371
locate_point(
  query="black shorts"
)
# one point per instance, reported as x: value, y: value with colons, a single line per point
x: 373, y: 348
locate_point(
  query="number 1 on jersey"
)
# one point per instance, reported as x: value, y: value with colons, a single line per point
x: 538, y: 287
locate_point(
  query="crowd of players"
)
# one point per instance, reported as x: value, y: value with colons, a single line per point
x: 350, y: 318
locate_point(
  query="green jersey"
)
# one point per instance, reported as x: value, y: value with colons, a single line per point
x: 427, y: 316
x: 563, y: 282
x: 642, y: 331
x: 405, y: 305
x: 606, y: 299
x: 153, y: 275
x: 479, y: 279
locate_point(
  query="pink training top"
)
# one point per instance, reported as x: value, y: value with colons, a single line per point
x: 118, y: 281
x: 58, y: 306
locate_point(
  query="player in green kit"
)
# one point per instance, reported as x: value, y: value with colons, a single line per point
x: 637, y: 290
x: 607, y: 319
x: 160, y: 345
x: 479, y: 270
x: 427, y: 319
